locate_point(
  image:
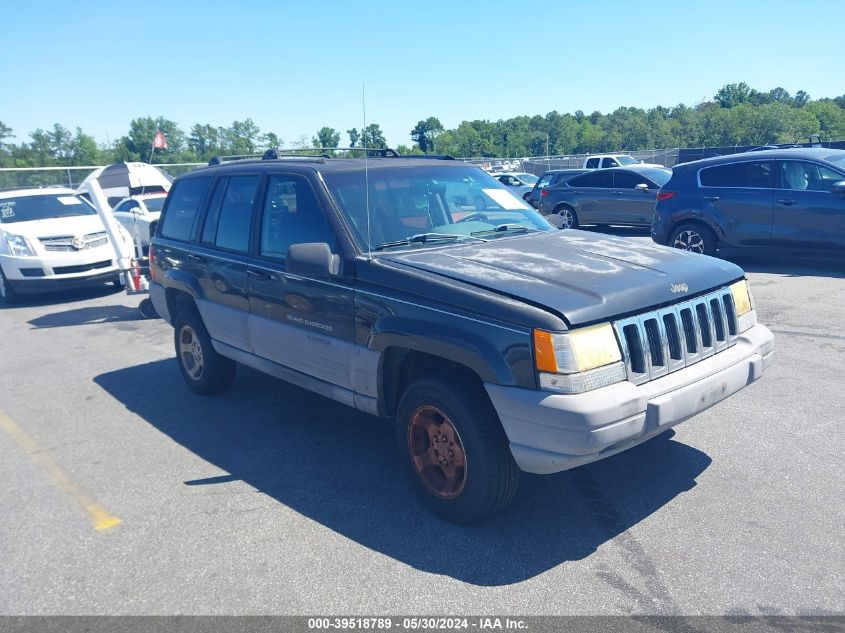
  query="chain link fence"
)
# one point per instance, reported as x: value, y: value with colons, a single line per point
x: 72, y: 176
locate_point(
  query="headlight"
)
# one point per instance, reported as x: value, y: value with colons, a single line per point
x: 746, y: 315
x: 578, y: 361
x: 18, y: 245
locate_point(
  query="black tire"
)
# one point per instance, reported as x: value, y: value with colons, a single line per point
x: 567, y: 215
x: 693, y: 237
x: 208, y: 372
x: 490, y: 475
x: 7, y: 293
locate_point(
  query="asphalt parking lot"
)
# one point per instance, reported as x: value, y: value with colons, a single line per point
x: 123, y: 493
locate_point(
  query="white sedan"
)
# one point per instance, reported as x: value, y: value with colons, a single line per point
x: 139, y: 215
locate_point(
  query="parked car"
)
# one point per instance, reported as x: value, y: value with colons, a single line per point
x: 620, y: 195
x: 52, y: 239
x: 496, y: 343
x: 778, y: 199
x: 606, y: 161
x: 549, y: 178
x: 520, y: 183
x: 139, y: 214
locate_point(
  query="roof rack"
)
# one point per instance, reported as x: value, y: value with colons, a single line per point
x: 429, y: 156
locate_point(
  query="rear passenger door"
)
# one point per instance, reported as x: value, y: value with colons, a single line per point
x: 629, y: 205
x: 590, y: 196
x: 303, y: 323
x: 738, y: 198
x: 221, y: 259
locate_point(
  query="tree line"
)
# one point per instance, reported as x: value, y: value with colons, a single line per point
x: 736, y: 115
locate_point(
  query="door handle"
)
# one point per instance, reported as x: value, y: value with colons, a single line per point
x: 711, y: 198
x: 619, y: 193
x: 194, y: 258
x: 787, y: 202
x: 256, y: 274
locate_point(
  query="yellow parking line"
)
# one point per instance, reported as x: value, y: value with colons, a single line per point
x: 100, y: 517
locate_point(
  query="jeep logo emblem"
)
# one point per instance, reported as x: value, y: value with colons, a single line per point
x: 679, y: 288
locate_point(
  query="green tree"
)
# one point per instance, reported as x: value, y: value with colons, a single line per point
x: 372, y: 136
x: 84, y: 150
x: 204, y: 141
x: 425, y: 132
x: 326, y: 137
x: 242, y: 137
x: 270, y: 140
x: 354, y: 137
x: 731, y: 95
x: 136, y: 145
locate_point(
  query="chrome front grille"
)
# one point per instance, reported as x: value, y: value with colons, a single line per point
x: 663, y: 341
x: 72, y: 243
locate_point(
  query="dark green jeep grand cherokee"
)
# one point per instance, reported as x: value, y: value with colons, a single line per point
x: 496, y: 342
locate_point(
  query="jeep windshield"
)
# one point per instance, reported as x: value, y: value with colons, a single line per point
x: 445, y: 204
x: 41, y: 207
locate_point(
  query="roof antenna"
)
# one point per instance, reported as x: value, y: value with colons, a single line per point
x: 366, y: 171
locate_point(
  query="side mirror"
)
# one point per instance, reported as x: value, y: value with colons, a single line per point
x: 838, y: 187
x: 314, y: 259
x: 641, y: 187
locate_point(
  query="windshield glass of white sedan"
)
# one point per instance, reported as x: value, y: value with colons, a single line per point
x: 42, y: 207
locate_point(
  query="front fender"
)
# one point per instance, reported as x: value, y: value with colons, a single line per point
x: 502, y: 357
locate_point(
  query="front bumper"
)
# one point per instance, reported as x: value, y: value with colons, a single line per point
x: 551, y: 432
x: 59, y: 271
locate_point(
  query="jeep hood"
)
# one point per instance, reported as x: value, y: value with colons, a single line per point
x: 582, y: 277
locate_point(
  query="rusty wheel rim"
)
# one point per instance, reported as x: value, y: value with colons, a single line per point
x: 437, y: 452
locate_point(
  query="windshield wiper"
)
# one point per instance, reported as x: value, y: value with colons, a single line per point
x: 425, y: 237
x: 503, y: 228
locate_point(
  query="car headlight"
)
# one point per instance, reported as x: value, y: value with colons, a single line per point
x: 578, y: 361
x: 18, y: 245
x: 746, y: 315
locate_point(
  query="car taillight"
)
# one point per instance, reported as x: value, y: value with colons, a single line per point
x: 543, y: 193
x: 665, y: 195
x: 152, y: 256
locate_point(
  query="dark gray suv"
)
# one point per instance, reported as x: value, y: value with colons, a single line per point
x: 620, y: 195
x: 775, y: 199
x: 495, y: 343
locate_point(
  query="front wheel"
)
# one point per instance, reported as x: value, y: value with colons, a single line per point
x: 568, y: 218
x: 205, y: 371
x: 7, y: 293
x: 695, y: 238
x: 455, y: 449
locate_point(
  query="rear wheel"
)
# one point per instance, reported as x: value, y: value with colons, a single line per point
x: 695, y: 238
x: 7, y: 293
x: 205, y: 371
x: 568, y: 217
x: 455, y: 449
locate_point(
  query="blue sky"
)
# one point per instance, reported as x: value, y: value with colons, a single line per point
x: 296, y: 66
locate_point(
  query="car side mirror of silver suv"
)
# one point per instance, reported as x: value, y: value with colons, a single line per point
x: 314, y: 259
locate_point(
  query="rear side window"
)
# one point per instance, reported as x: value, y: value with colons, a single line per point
x: 292, y: 215
x: 756, y: 174
x: 595, y: 179
x: 230, y: 213
x: 592, y: 163
x: 182, y: 206
x: 628, y: 180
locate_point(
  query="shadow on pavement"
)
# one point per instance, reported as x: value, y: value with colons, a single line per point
x: 86, y: 316
x: 340, y: 467
x: 60, y: 297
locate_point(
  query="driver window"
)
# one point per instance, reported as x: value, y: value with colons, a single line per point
x: 803, y: 176
x: 292, y: 215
